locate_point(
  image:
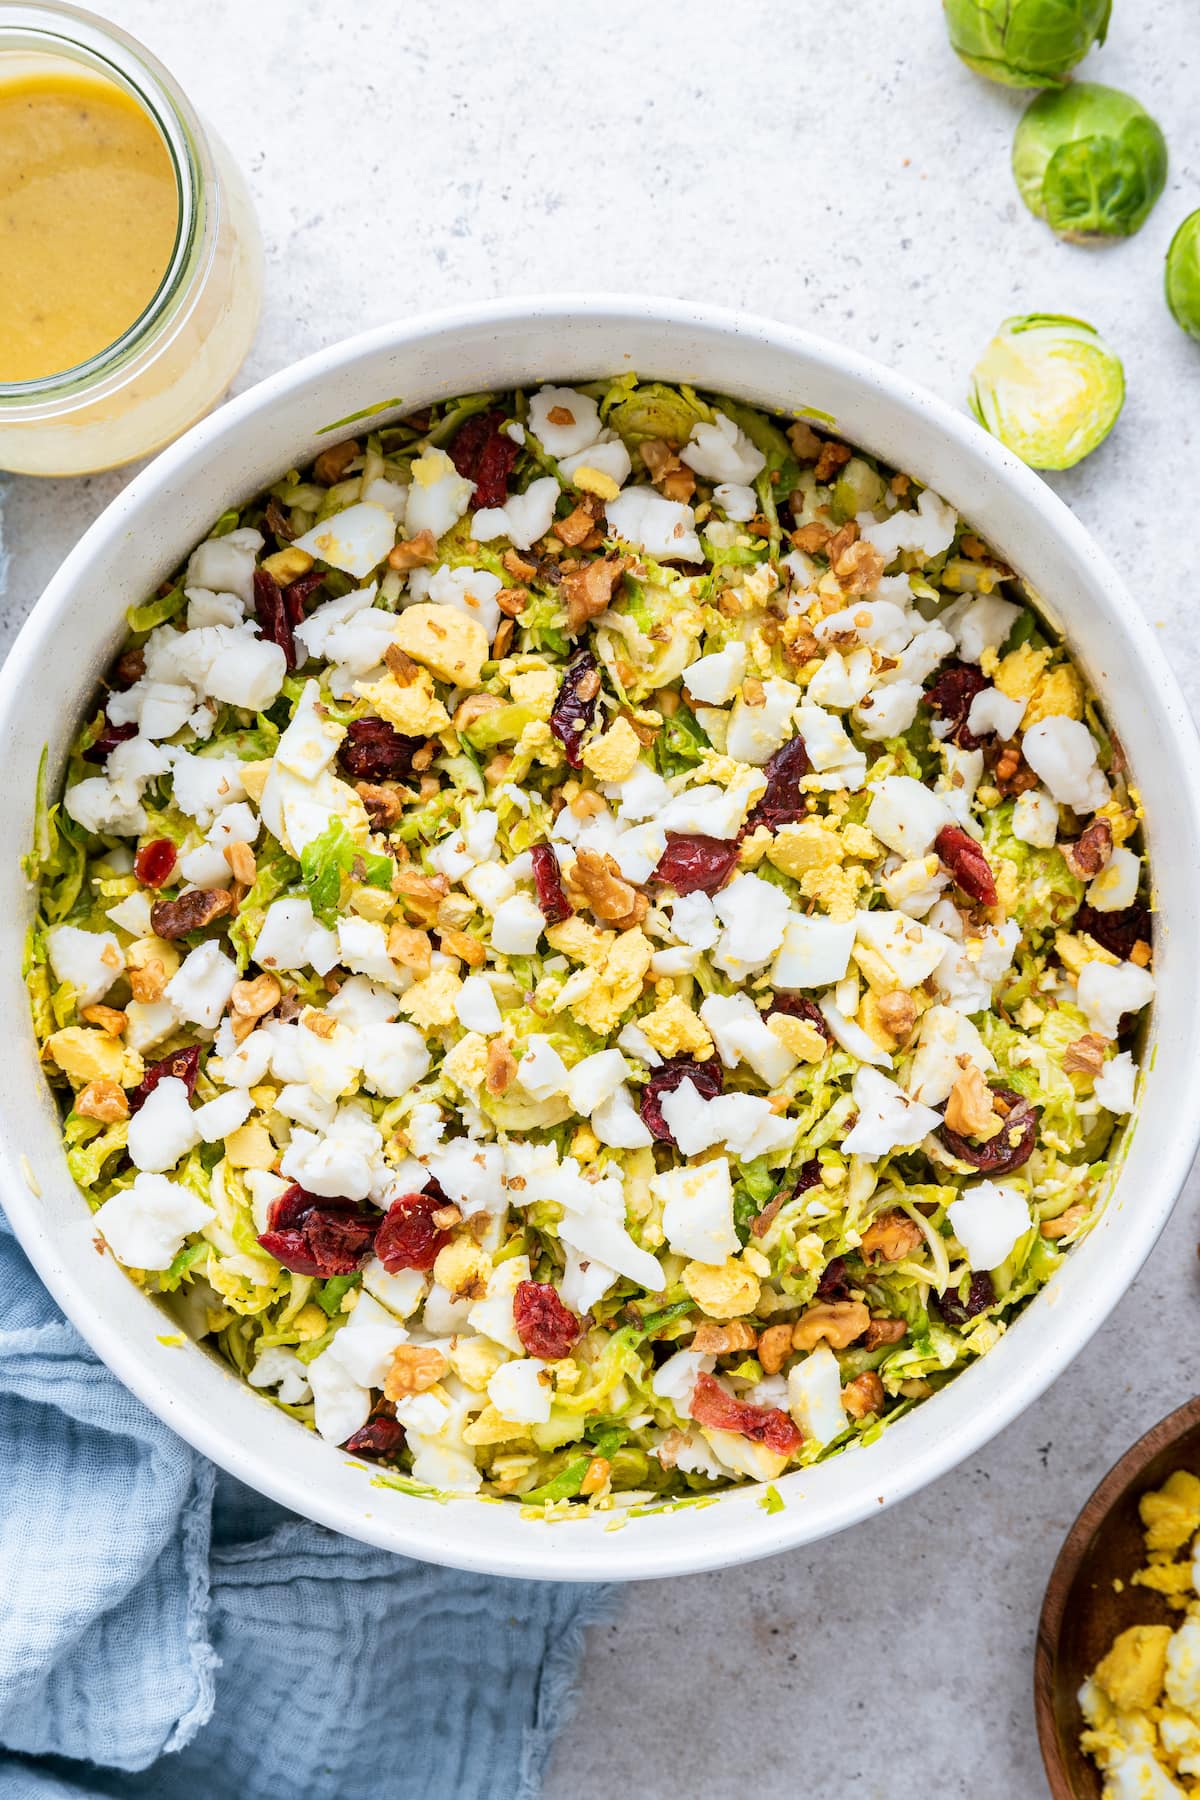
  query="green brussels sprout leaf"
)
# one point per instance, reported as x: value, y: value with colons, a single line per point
x: 1090, y: 161
x: 1025, y: 43
x: 1049, y: 388
x: 1183, y: 275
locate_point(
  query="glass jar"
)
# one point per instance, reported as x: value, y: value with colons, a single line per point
x: 176, y: 360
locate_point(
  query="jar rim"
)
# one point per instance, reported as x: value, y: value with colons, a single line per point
x: 54, y: 28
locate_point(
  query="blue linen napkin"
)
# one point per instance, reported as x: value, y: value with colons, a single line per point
x: 166, y: 1634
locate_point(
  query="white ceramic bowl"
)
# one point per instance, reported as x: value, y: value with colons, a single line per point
x: 49, y: 681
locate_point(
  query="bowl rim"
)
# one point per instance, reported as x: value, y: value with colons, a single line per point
x: 760, y: 1533
x: 1067, y: 1564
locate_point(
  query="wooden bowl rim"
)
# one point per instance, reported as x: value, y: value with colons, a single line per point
x: 1067, y: 1565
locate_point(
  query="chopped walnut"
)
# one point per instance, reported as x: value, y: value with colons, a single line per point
x: 1090, y: 851
x: 811, y: 538
x: 411, y: 948
x: 971, y: 1108
x: 863, y: 1395
x: 723, y: 1340
x: 421, y: 894
x: 333, y: 462
x: 588, y: 591
x: 560, y: 415
x: 577, y: 526
x: 148, y: 983
x: 614, y: 900
x: 384, y: 801
x: 841, y: 541
x: 102, y: 1100
x: 678, y: 485
x: 1012, y: 774
x: 1066, y: 1222
x: 463, y: 945
x: 401, y: 664
x: 243, y: 865
x: 250, y: 1001
x: 834, y: 1322
x: 668, y: 1450
x: 859, y: 568
x: 512, y: 602
x: 501, y: 1067
x: 474, y: 707
x: 193, y: 910
x: 518, y: 566
x: 660, y: 459
x: 415, y: 1367
x: 414, y: 552
x: 753, y: 691
x: 891, y: 1236
x: 1086, y: 1055
x: 321, y: 1024
x: 883, y: 1330
x: 806, y: 445
x: 897, y: 1014
x: 108, y: 1018
x: 774, y: 1348
x: 1140, y: 954
x: 834, y: 456
x: 596, y: 1475
x: 502, y: 642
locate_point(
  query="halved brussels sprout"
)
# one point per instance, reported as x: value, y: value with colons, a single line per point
x: 1025, y: 43
x: 1049, y: 388
x: 1183, y: 275
x: 1090, y: 161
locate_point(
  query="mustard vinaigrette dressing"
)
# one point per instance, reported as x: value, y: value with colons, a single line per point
x: 89, y: 213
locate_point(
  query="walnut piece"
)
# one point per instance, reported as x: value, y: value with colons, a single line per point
x: 588, y: 591
x: 863, y: 1395
x: 464, y: 946
x: 415, y: 1367
x: 1086, y: 1055
x: 384, y: 801
x: 812, y: 537
x: 411, y: 948
x: 723, y: 1340
x: 614, y: 900
x: 197, y: 908
x: 774, y: 1348
x: 149, y: 982
x: 833, y: 1322
x: 833, y: 456
x: 859, y: 568
x: 577, y: 526
x: 1065, y: 1223
x: 897, y: 1014
x: 414, y: 553
x: 501, y: 1067
x: 243, y: 865
x: 332, y: 463
x: 883, y: 1330
x: 1090, y: 851
x: 422, y: 894
x: 970, y: 1110
x: 890, y: 1236
x: 252, y: 1000
x: 102, y: 1100
x: 107, y: 1017
x: 806, y: 445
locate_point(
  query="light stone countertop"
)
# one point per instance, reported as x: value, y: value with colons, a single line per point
x: 837, y: 168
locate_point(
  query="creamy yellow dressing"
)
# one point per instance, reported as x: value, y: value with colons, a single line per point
x: 88, y: 217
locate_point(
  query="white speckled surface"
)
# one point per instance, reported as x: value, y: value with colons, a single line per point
x: 837, y: 168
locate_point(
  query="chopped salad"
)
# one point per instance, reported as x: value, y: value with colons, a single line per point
x: 591, y: 945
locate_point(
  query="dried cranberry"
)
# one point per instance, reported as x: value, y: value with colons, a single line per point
x: 129, y: 667
x: 155, y: 862
x: 270, y: 609
x: 378, y: 1440
x: 485, y: 455
x: 809, y: 1176
x: 373, y: 751
x: 783, y: 803
x: 696, y: 864
x: 544, y: 1325
x: 720, y: 1411
x: 107, y: 739
x: 967, y: 863
x: 980, y: 1295
x: 1012, y: 1145
x: 950, y: 696
x: 575, y: 705
x: 312, y: 1236
x: 798, y: 1006
x: 298, y: 593
x: 1116, y: 932
x: 834, y: 1283
x: 408, y: 1237
x: 553, y: 902
x: 707, y: 1078
x: 181, y: 1065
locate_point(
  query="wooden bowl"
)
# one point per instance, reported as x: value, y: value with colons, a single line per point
x: 1082, y: 1612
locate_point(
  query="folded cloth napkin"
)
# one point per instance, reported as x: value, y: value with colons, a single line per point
x: 166, y: 1633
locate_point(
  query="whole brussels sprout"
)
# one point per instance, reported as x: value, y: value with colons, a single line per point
x: 1090, y: 161
x: 1183, y: 275
x: 1049, y: 388
x: 1025, y: 43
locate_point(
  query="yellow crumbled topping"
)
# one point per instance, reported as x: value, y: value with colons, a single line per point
x: 836, y: 889
x: 799, y: 1036
x: 580, y: 940
x: 1076, y: 949
x: 412, y: 706
x: 613, y: 756
x: 1172, y: 1515
x: 430, y: 1002
x: 618, y: 982
x: 810, y: 845
x: 674, y: 1030
x: 534, y: 688
x: 445, y: 640
x: 250, y: 1147
x: 467, y: 1064
x: 595, y: 481
x: 1132, y: 1672
x: 726, y: 1290
x: 1018, y: 673
x: 85, y: 1054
